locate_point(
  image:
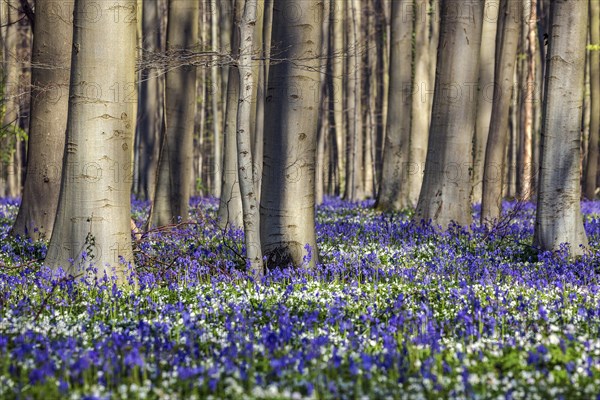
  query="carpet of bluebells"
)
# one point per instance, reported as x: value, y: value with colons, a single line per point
x: 394, y: 310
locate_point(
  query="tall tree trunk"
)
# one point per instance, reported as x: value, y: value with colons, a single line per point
x: 337, y: 88
x: 322, y: 120
x: 244, y: 142
x: 591, y: 169
x: 445, y: 194
x: 150, y: 106
x: 352, y: 96
x: 528, y: 108
x: 10, y: 90
x: 395, y: 154
x: 230, y: 207
x: 94, y: 213
x: 381, y: 43
x: 357, y: 120
x: 217, y: 116
x: 421, y: 105
x: 51, y: 62
x: 558, y: 218
x: 261, y: 48
x: 485, y: 94
x: 176, y: 162
x: 495, y: 155
x: 288, y: 202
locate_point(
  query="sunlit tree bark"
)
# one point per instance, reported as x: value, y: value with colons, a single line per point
x: 397, y: 140
x: 288, y: 192
x: 485, y: 94
x: 94, y: 213
x: 559, y: 218
x: 506, y: 58
x: 591, y: 169
x: 445, y: 194
x: 51, y: 63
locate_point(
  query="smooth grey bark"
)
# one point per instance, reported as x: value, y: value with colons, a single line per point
x: 175, y: 167
x: 558, y: 218
x: 230, y: 206
x: 421, y: 103
x: 10, y: 81
x: 261, y: 48
x: 246, y: 165
x: 217, y: 117
x: 150, y: 104
x: 591, y: 169
x: 51, y: 63
x: 379, y: 80
x: 337, y: 87
x: 322, y: 124
x: 395, y: 153
x: 357, y: 118
x: 485, y: 94
x: 445, y: 194
x: 353, y: 107
x: 526, y: 168
x: 288, y: 193
x: 93, y: 221
x: 507, y: 36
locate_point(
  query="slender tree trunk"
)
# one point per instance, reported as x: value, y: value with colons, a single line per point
x: 94, y: 213
x: 10, y: 120
x: 176, y: 163
x: 591, y: 170
x: 397, y: 141
x: 263, y: 30
x: 288, y: 201
x: 445, y: 194
x: 357, y: 119
x: 369, y: 96
x: 322, y: 120
x: 337, y: 90
x: 528, y: 108
x: 244, y: 142
x: 150, y: 106
x: 495, y: 155
x: 559, y: 218
x: 351, y: 112
x: 217, y: 116
x: 230, y: 207
x: 51, y: 62
x: 485, y: 94
x: 421, y: 104
x: 378, y: 73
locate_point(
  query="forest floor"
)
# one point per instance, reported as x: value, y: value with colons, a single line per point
x: 394, y: 310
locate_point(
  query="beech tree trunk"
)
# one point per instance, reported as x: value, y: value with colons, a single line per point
x: 230, y: 206
x: 506, y: 58
x: 175, y: 176
x: 391, y: 194
x: 485, y: 94
x: 51, y: 63
x: 10, y: 90
x: 445, y: 194
x: 591, y: 169
x: 217, y: 116
x: 287, y: 206
x: 93, y: 221
x: 526, y: 168
x: 421, y: 103
x: 150, y: 104
x: 559, y: 218
x: 244, y: 142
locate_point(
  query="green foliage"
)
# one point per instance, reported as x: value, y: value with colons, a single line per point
x: 593, y: 47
